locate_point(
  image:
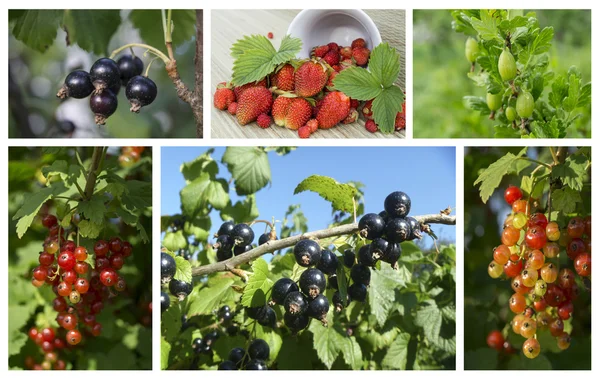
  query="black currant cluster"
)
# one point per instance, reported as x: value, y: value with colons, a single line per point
x: 103, y: 83
x: 235, y: 239
x: 253, y: 359
x: 186, y: 254
x: 177, y: 288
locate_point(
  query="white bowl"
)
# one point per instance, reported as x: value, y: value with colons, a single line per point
x: 317, y: 27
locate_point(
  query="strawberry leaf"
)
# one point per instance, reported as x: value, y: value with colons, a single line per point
x: 385, y: 64
x: 385, y: 108
x: 357, y: 83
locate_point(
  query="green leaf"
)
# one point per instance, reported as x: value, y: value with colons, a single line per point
x: 184, y: 269
x: 203, y: 163
x: 481, y: 359
x: 542, y: 41
x: 249, y: 167
x: 174, y: 241
x: 491, y: 177
x: 486, y: 26
x: 520, y: 362
x: 572, y: 171
x: 203, y: 300
x: 38, y: 28
x: 171, y: 322
x: 89, y: 229
x: 352, y: 353
x: 243, y: 211
x: 565, y: 200
x: 384, y: 64
x: 358, y: 83
x: 386, y: 106
x: 382, y: 291
x: 93, y: 29
x: 430, y: 318
x: 32, y: 202
x: 258, y: 285
x: 340, y: 195
x: 327, y: 342
x: 93, y: 209
x: 138, y: 195
x: 146, y: 21
x: 396, y: 355
x: 202, y: 192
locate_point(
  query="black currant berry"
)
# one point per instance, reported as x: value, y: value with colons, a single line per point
x: 312, y: 282
x: 227, y: 365
x: 392, y: 254
x: 296, y: 323
x: 105, y: 74
x: 165, y: 301
x: 360, y: 274
x: 307, y: 252
x: 224, y: 254
x: 256, y: 365
x: 238, y: 357
x: 267, y: 317
x: 398, y: 230
x: 180, y: 289
x: 200, y: 346
x: 357, y: 292
x: 242, y: 234
x: 259, y: 349
x: 384, y: 215
x: 225, y: 314
x: 332, y: 282
x: 103, y: 105
x: 281, y: 289
x: 371, y: 226
x: 397, y: 204
x: 224, y: 242
x: 239, y: 249
x: 379, y: 247
x: 167, y: 267
x: 328, y: 262
x: 253, y: 312
x: 295, y: 303
x: 211, y: 337
x: 140, y: 91
x: 349, y: 258
x: 265, y: 238
x: 366, y: 256
x: 338, y: 304
x: 77, y: 85
x: 318, y: 308
x: 226, y: 228
x: 415, y: 227
x: 129, y: 66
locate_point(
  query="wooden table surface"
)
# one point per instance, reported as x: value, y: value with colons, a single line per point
x: 230, y: 25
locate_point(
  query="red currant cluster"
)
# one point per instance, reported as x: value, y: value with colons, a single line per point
x: 544, y: 293
x: 50, y: 346
x: 80, y: 290
x: 130, y: 155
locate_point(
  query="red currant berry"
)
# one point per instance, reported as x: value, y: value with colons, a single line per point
x: 49, y: 221
x: 540, y: 304
x: 60, y: 365
x: 554, y: 295
x: 69, y: 245
x: 75, y: 297
x: 565, y: 310
x: 48, y: 334
x: 97, y: 329
x: 33, y: 332
x: 519, y: 206
x: 566, y: 278
x: 96, y: 307
x: 116, y: 261
x: 510, y: 236
x: 583, y: 264
x: 46, y: 258
x: 82, y: 286
x: 501, y: 254
x: 69, y: 322
x: 588, y: 225
x: 552, y: 231
x: 80, y: 253
x: 115, y: 245
x: 121, y: 285
x: 528, y: 327
x: 556, y: 327
x: 549, y: 272
x: 495, y: 340
x: 89, y: 320
x: 51, y: 247
x: 512, y: 194
x: 101, y: 248
x: 563, y: 341
x: 29, y: 362
x: 518, y: 286
x: 66, y: 260
x: 69, y: 276
x: 126, y: 249
x: 36, y: 283
x: 64, y: 289
x: 51, y: 357
x: 517, y: 303
x: 575, y: 247
x: 73, y: 337
x: 538, y: 219
x: 535, y: 259
x: 81, y: 267
x: 102, y: 263
x: 512, y: 269
x: 576, y: 227
x: 47, y: 346
x: 535, y: 238
x: 40, y: 273
x: 551, y: 250
x: 59, y: 304
x: 531, y: 348
x: 108, y: 277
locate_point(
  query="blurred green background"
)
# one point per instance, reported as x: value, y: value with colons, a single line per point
x: 34, y: 79
x: 486, y: 299
x: 440, y: 72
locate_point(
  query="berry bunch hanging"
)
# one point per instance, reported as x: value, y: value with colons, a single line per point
x: 254, y: 358
x: 103, y: 83
x: 50, y: 346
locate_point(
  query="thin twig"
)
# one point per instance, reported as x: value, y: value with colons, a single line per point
x: 92, y: 173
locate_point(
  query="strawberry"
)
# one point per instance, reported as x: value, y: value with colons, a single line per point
x: 297, y: 113
x: 354, y: 103
x: 304, y: 132
x: 359, y: 42
x: 347, y: 63
x: 310, y: 78
x: 333, y: 110
x: 279, y: 109
x: 400, y: 122
x: 332, y: 58
x: 366, y: 110
x: 239, y: 90
x: 320, y: 51
x: 330, y: 81
x: 270, y: 35
x: 337, y: 68
x: 352, y: 117
x: 263, y: 120
x: 232, y: 108
x: 371, y: 126
x: 313, y: 125
x: 361, y: 55
x: 346, y: 52
x: 284, y: 78
x: 223, y: 97
x: 333, y: 46
x: 252, y: 103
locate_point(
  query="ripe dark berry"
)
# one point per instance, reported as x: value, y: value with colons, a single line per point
x: 259, y: 349
x: 224, y: 254
x: 366, y: 256
x: 295, y: 303
x: 318, y: 307
x: 226, y: 228
x: 115, y: 245
x: 129, y: 66
x: 360, y: 274
x: 349, y: 258
x: 78, y: 84
x: 312, y: 282
x: 371, y: 226
x: 167, y: 267
x: 224, y: 242
x: 267, y: 317
x: 200, y: 346
x: 415, y: 227
x: 165, y: 301
x: 337, y: 301
x: 105, y: 74
x: 358, y: 292
x: 238, y: 357
x: 262, y: 239
x: 108, y: 277
x: 398, y: 230
x: 307, y: 252
x: 332, y: 282
x: 397, y: 204
x: 180, y: 289
x: 242, y: 234
x: 49, y: 221
x: 239, y: 249
x: 227, y: 365
x: 103, y: 105
x: 140, y: 91
x: 256, y: 365
x: 281, y: 289
x: 392, y: 254
x: 379, y: 247
x: 102, y: 263
x: 328, y: 262
x: 296, y: 323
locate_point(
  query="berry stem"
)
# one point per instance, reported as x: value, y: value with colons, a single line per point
x: 151, y: 49
x: 261, y: 221
x: 93, y: 173
x: 148, y: 68
x: 536, y: 161
x: 554, y: 157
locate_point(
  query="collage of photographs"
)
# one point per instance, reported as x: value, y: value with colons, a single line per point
x: 320, y: 189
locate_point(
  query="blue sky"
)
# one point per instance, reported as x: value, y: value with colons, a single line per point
x: 426, y: 174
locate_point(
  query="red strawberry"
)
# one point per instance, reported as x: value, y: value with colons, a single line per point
x: 361, y: 55
x: 371, y: 126
x: 313, y: 125
x: 334, y: 109
x: 297, y: 113
x: 264, y: 121
x: 366, y: 110
x: 333, y: 46
x: 239, y: 90
x: 284, y: 78
x: 223, y: 97
x: 252, y: 103
x: 351, y: 118
x: 346, y: 52
x: 279, y: 109
x: 331, y: 77
x: 354, y: 103
x: 310, y: 78
x: 270, y: 35
x: 232, y: 108
x: 304, y: 132
x: 400, y: 122
x: 320, y: 51
x: 359, y: 42
x: 332, y: 58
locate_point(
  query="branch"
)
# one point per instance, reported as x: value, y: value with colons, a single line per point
x: 93, y: 173
x: 274, y: 245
